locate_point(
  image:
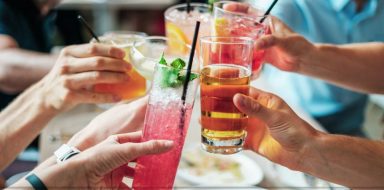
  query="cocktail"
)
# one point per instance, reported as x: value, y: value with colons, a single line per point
x: 179, y: 23
x: 136, y: 86
x: 226, y: 70
x: 251, y: 23
x: 145, y: 53
x: 167, y: 117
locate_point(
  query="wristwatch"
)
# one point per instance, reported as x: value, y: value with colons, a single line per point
x: 65, y: 152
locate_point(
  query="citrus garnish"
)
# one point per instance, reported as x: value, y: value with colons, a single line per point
x: 176, y: 35
x: 221, y: 27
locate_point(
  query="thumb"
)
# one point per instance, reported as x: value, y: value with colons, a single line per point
x: 253, y: 108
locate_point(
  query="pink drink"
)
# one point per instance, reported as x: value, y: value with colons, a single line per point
x: 167, y: 119
x: 159, y: 171
x: 244, y: 27
x: 238, y: 24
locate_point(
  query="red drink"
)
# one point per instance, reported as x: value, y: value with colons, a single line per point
x: 235, y: 24
x: 159, y: 171
x: 167, y: 118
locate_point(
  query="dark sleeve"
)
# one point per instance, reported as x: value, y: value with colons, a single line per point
x: 6, y: 24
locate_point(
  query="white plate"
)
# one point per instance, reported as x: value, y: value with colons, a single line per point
x: 251, y: 173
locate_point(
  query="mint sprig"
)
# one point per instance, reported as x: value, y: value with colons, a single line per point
x: 172, y: 76
x: 211, y: 4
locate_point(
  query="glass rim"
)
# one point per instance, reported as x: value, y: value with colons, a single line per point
x: 169, y: 9
x: 242, y: 40
x: 145, y: 39
x: 125, y: 33
x: 237, y: 13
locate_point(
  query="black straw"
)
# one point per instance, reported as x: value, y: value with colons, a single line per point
x: 82, y: 20
x: 188, y: 6
x: 188, y: 77
x: 190, y: 61
x: 268, y: 11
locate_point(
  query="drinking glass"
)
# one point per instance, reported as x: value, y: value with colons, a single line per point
x: 180, y: 24
x: 226, y: 23
x: 226, y: 71
x: 137, y: 86
x: 167, y: 117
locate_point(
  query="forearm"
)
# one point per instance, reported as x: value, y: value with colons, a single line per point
x: 357, y: 66
x: 349, y: 161
x: 56, y: 176
x: 21, y: 68
x: 21, y: 122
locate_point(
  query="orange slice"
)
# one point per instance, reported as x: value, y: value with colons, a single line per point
x: 176, y: 35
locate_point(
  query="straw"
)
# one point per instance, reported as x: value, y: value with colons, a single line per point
x: 188, y: 6
x: 268, y: 11
x: 89, y: 29
x: 190, y: 61
x: 188, y: 76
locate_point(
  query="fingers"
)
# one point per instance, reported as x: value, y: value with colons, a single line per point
x: 279, y: 28
x: 81, y: 80
x: 89, y: 97
x: 149, y: 147
x: 253, y: 108
x: 266, y: 42
x: 90, y: 50
x: 236, y: 7
x: 129, y: 137
x: 96, y: 64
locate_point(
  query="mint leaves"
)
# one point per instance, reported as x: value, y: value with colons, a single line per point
x: 211, y: 2
x: 171, y: 76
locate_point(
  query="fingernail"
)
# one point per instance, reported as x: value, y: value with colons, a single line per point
x: 128, y: 66
x: 168, y: 143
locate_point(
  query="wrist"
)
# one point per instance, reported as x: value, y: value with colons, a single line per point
x: 310, y: 152
x: 61, y: 175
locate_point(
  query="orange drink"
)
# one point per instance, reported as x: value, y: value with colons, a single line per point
x: 136, y: 86
x: 226, y: 71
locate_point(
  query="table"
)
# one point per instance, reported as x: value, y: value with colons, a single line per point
x: 105, y: 12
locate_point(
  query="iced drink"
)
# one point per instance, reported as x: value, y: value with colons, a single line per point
x: 226, y: 71
x: 226, y: 24
x: 167, y: 117
x: 180, y: 24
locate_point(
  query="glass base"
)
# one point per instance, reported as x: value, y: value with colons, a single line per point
x: 222, y: 146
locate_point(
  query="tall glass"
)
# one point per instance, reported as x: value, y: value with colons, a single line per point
x: 137, y: 85
x: 226, y: 70
x: 227, y: 23
x: 179, y: 24
x: 167, y: 117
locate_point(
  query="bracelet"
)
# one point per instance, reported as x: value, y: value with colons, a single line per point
x: 36, y: 183
x: 65, y: 152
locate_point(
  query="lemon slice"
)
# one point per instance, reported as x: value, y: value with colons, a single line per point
x: 221, y: 27
x: 176, y: 35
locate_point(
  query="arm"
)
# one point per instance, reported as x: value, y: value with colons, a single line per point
x: 64, y: 87
x: 21, y: 68
x: 89, y: 170
x: 284, y: 138
x: 355, y: 66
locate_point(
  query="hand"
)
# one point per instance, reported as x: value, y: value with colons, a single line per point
x: 77, y: 69
x: 126, y: 118
x: 285, y: 49
x: 104, y: 165
x: 274, y: 130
